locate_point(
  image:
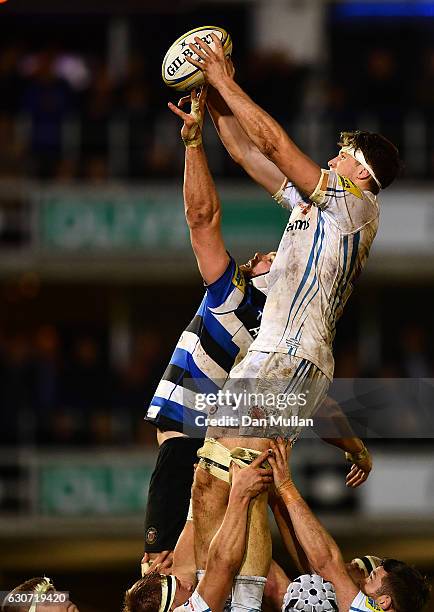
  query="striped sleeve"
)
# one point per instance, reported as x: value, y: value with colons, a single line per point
x: 219, y: 291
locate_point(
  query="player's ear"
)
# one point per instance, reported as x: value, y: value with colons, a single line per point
x: 362, y: 173
x: 385, y: 602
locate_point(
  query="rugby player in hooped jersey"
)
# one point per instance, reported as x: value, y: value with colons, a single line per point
x: 333, y: 222
x: 221, y: 332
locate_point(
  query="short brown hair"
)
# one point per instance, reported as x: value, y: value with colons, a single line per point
x: 144, y: 595
x: 26, y: 587
x: 405, y: 585
x: 380, y: 153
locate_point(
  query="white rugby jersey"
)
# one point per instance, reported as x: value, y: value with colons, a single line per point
x: 363, y: 603
x: 322, y: 251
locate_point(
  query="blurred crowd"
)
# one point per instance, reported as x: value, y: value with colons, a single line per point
x: 69, y: 115
x: 62, y: 389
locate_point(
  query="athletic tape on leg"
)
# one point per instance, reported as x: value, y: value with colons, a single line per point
x: 216, y: 458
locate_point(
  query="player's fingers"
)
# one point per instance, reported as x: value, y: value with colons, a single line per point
x: 178, y: 111
x: 195, y: 63
x: 217, y: 42
x: 202, y: 95
x: 352, y: 473
x: 261, y: 458
x: 204, y: 46
x: 354, y: 478
x: 274, y: 447
x: 197, y: 50
x: 266, y: 472
x: 282, y: 449
x: 234, y: 468
x: 281, y: 461
x: 183, y: 101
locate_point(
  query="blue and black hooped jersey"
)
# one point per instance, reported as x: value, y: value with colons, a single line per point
x: 219, y: 335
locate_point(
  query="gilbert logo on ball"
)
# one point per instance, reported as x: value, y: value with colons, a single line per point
x: 179, y: 74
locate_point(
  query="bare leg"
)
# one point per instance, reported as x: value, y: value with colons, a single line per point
x: 257, y: 558
x: 210, y: 498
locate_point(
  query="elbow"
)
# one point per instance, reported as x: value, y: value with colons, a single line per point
x: 327, y: 565
x: 271, y: 142
x: 197, y: 219
x: 222, y: 563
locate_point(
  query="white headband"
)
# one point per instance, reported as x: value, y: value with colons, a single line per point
x: 358, y: 155
x: 168, y: 590
x: 39, y: 589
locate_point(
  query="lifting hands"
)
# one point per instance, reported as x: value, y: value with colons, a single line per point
x: 191, y: 131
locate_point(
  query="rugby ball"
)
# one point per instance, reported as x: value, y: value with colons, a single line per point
x: 179, y: 74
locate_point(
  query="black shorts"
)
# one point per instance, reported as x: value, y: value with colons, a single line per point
x: 169, y: 493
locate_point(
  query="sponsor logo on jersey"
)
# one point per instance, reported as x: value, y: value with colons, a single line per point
x: 238, y: 279
x: 298, y: 224
x: 349, y: 186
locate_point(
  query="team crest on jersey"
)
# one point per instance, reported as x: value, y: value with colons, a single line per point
x: 371, y: 605
x: 151, y: 535
x: 238, y: 279
x: 349, y: 186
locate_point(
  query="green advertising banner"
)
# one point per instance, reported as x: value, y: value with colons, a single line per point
x: 139, y: 220
x: 92, y: 489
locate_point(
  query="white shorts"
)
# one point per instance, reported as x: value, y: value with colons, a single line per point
x: 268, y: 395
x: 194, y: 604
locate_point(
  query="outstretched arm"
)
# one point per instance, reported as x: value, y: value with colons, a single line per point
x: 270, y: 138
x: 227, y: 547
x: 338, y: 432
x: 201, y: 201
x: 239, y: 146
x: 287, y: 533
x: 321, y: 550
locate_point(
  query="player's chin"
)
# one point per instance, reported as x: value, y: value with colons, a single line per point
x: 246, y: 268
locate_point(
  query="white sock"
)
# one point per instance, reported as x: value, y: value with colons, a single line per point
x: 199, y: 575
x: 247, y: 593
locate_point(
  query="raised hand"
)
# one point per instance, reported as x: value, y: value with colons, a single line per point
x: 193, y: 121
x: 213, y: 64
x: 361, y: 468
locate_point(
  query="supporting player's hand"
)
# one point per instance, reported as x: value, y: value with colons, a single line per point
x: 162, y: 563
x: 360, y: 470
x: 279, y: 461
x: 252, y: 480
x: 193, y: 121
x: 213, y: 64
